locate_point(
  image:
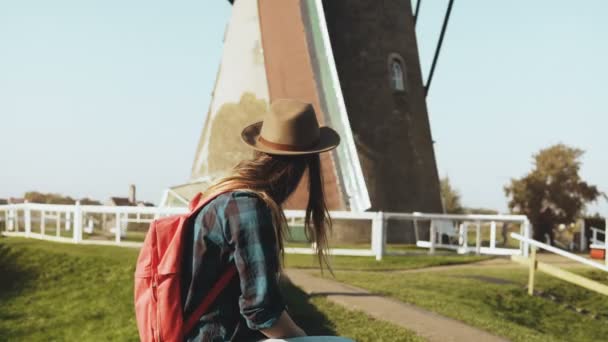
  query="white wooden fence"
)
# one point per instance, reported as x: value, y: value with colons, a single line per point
x: 557, y: 272
x: 67, y: 223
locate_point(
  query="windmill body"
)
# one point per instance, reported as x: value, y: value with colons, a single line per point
x: 357, y: 62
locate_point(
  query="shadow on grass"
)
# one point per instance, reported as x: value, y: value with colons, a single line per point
x: 304, y: 312
x: 14, y: 278
x: 13, y: 281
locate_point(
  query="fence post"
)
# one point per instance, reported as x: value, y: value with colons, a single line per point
x: 583, y: 237
x: 6, y: 220
x: 493, y: 234
x: 606, y: 242
x: 378, y: 235
x: 68, y: 220
x: 58, y: 223
x: 463, y: 241
x: 117, y: 228
x: 432, y: 237
x: 531, y: 271
x: 524, y: 246
x: 42, y: 222
x: 478, y: 238
x: 77, y: 222
x: 10, y: 217
x: 27, y: 218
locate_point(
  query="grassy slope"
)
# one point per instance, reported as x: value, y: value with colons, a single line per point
x: 473, y: 296
x: 51, y: 291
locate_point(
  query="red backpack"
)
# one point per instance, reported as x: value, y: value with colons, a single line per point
x: 158, y: 303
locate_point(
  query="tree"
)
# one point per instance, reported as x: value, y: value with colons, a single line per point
x: 450, y: 197
x: 51, y: 198
x: 553, y: 192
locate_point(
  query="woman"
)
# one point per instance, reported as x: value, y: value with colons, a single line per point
x: 245, y: 226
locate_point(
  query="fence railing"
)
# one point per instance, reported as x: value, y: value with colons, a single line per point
x: 90, y: 224
x: 457, y: 226
x: 557, y: 272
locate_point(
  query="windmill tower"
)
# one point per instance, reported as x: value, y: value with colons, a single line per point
x: 357, y: 61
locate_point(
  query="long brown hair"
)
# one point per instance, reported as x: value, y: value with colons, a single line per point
x: 274, y: 178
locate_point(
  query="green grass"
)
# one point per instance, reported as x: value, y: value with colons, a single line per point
x: 388, y: 263
x: 390, y: 247
x: 496, y: 300
x: 64, y: 292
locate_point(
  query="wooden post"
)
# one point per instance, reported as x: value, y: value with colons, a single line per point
x: 493, y: 234
x: 583, y: 237
x: 478, y: 238
x: 433, y: 237
x: 77, y: 223
x: 606, y: 241
x: 465, y: 236
x: 58, y: 223
x: 526, y: 233
x: 42, y: 221
x: 378, y: 236
x: 9, y: 219
x: 27, y: 218
x: 117, y: 228
x: 68, y: 220
x: 531, y: 271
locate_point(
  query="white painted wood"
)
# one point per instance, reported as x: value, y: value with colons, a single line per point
x: 378, y: 236
x: 493, y: 234
x: 432, y: 237
x: 528, y: 234
x: 77, y: 222
x: 42, y: 222
x: 10, y: 225
x: 564, y: 275
x: 27, y: 218
x: 117, y: 229
x: 563, y: 253
x: 478, y: 237
x: 57, y: 223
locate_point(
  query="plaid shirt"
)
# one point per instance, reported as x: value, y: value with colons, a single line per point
x: 234, y: 228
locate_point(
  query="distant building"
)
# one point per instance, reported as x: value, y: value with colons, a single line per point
x: 130, y: 201
x: 144, y: 204
x: 120, y: 202
x: 109, y: 222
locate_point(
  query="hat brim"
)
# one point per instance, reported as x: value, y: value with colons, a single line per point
x: 328, y: 140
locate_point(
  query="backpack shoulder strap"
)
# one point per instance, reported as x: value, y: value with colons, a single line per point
x: 221, y: 284
x: 197, y: 203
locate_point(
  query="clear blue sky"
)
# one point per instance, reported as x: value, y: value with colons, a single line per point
x: 95, y: 95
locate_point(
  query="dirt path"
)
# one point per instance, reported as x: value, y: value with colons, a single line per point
x: 426, y: 324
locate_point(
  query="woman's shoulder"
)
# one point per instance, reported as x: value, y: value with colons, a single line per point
x: 238, y: 200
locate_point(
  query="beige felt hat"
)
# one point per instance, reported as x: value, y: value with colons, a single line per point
x: 290, y: 127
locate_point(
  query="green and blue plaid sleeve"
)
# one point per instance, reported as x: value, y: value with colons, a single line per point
x: 250, y: 232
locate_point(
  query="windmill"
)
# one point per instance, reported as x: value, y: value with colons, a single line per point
x: 357, y: 61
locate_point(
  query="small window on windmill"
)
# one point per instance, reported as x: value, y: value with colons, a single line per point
x: 397, y: 73
x: 397, y: 81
